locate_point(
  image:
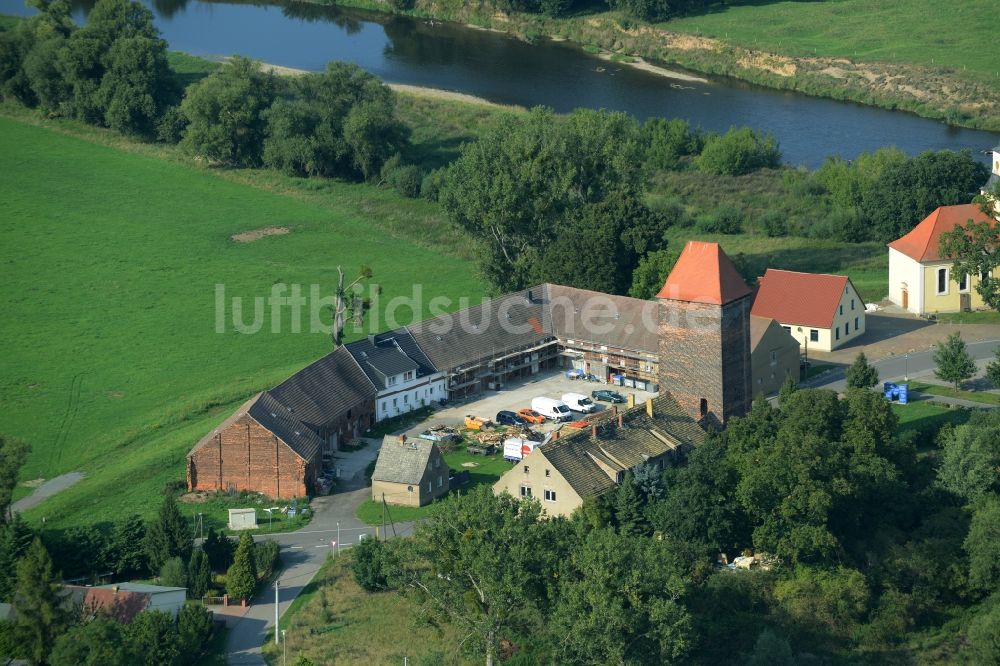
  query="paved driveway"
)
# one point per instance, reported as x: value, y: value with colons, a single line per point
x: 303, y: 552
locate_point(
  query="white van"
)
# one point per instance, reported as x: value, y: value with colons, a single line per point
x: 579, y: 402
x: 551, y: 408
x: 515, y: 448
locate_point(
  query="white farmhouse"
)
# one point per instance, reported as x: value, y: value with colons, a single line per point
x: 402, y: 374
x: 822, y: 312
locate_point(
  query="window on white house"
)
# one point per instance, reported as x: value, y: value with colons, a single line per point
x: 391, y: 381
x: 525, y: 491
x: 856, y: 324
x: 841, y: 308
x: 408, y: 374
x: 963, y: 283
x: 548, y: 473
x: 550, y: 495
x: 409, y: 489
x: 836, y: 332
x: 394, y: 401
x: 942, y: 281
x: 525, y: 469
x: 813, y: 335
x: 406, y: 397
x: 852, y: 303
x: 847, y: 328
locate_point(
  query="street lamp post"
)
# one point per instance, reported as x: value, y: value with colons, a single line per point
x: 906, y: 367
x: 338, y: 540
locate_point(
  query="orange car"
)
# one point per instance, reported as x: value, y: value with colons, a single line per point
x: 530, y: 415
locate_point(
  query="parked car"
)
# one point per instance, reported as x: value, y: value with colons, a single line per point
x: 550, y: 408
x: 530, y: 415
x: 604, y: 395
x: 510, y: 418
x: 579, y: 402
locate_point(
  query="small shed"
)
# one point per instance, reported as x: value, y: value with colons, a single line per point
x: 242, y: 519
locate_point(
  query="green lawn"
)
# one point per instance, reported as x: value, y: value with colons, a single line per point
x: 110, y: 261
x: 985, y: 317
x: 927, y: 416
x: 487, y: 470
x: 949, y: 392
x: 923, y: 32
x: 215, y: 513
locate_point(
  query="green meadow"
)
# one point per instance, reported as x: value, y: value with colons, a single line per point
x: 920, y: 32
x: 110, y: 262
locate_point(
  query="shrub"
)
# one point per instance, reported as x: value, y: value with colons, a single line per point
x: 371, y: 565
x: 406, y: 179
x: 667, y: 141
x: 267, y: 556
x: 173, y: 573
x: 738, y: 152
x: 431, y: 185
x: 726, y: 220
x: 774, y: 224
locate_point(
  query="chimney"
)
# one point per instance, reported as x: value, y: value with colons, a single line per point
x: 649, y: 407
x: 402, y: 440
x: 621, y: 420
x: 593, y: 431
x: 371, y: 339
x: 631, y: 400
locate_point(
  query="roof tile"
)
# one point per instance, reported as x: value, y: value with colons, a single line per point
x: 807, y: 299
x: 921, y: 244
x: 704, y: 274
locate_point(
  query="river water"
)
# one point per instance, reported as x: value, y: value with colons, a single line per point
x: 503, y: 69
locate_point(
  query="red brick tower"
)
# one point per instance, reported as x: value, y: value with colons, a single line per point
x: 704, y: 332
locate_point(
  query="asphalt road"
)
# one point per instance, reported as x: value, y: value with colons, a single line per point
x: 900, y: 366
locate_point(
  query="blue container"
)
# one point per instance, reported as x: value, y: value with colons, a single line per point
x: 904, y: 394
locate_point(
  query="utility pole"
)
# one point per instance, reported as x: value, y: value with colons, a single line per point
x: 276, y: 611
x: 337, y: 554
x: 384, y: 535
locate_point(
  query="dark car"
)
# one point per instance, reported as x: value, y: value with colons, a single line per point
x: 608, y: 396
x: 510, y: 418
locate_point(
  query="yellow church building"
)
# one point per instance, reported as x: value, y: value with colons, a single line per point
x: 921, y: 279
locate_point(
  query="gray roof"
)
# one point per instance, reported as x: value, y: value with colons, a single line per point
x: 491, y: 328
x: 403, y: 462
x: 142, y: 588
x: 277, y: 418
x: 576, y: 455
x: 388, y: 354
x: 323, y: 391
x: 602, y: 319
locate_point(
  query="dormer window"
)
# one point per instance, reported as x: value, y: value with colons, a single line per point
x: 391, y: 381
x: 408, y: 375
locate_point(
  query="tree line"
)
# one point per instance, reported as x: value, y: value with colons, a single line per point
x: 113, y: 72
x: 868, y: 538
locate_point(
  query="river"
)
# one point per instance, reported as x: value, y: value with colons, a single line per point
x: 557, y: 74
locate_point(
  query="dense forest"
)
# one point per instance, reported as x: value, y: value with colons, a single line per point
x: 876, y: 544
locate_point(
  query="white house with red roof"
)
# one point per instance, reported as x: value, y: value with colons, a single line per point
x: 822, y: 312
x: 920, y: 278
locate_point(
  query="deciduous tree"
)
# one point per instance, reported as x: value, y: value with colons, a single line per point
x: 975, y: 249
x: 100, y: 642
x: 154, y: 638
x: 953, y: 361
x: 477, y: 566
x: 970, y: 457
x: 226, y: 113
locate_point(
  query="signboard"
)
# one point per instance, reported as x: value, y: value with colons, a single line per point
x: 904, y: 394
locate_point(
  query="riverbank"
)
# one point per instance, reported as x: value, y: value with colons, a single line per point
x: 944, y: 92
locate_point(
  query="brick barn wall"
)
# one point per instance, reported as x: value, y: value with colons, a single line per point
x: 705, y: 354
x: 248, y: 457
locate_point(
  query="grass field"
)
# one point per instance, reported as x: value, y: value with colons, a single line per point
x: 922, y: 32
x: 927, y: 416
x: 983, y: 397
x: 339, y: 623
x: 110, y: 261
x: 487, y: 470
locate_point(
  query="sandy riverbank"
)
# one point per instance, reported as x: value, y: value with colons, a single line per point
x: 639, y: 63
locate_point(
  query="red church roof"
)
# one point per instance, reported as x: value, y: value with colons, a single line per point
x: 807, y: 299
x: 704, y: 274
x: 921, y: 243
